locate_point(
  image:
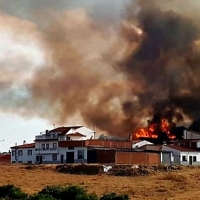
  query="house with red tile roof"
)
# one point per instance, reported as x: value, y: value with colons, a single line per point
x: 183, y: 155
x: 24, y: 153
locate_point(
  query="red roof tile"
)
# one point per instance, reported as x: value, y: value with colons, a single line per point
x: 23, y: 146
x: 63, y: 130
x: 182, y: 148
x: 76, y: 134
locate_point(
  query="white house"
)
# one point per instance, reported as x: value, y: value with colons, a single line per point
x: 24, y: 153
x: 46, y: 148
x: 183, y: 155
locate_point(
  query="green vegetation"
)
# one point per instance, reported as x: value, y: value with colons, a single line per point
x: 73, y: 192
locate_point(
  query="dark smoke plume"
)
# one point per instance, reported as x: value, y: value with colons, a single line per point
x: 82, y: 67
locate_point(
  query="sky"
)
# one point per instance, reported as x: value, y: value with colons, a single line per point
x: 20, y: 48
x: 113, y: 65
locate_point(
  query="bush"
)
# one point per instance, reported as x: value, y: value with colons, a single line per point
x: 114, y: 196
x: 58, y: 192
x: 41, y: 197
x: 11, y: 192
x: 53, y: 191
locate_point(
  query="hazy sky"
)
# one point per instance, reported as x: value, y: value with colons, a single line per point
x: 64, y: 62
x: 19, y: 49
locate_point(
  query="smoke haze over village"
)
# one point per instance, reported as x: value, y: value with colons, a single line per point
x: 109, y: 64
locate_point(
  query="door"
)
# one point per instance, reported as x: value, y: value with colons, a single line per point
x: 70, y: 157
x: 62, y: 158
x: 91, y: 156
x: 39, y: 159
x: 190, y: 160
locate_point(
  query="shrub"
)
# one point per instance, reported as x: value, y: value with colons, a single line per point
x: 53, y: 191
x: 58, y: 192
x: 41, y: 197
x: 72, y: 192
x: 114, y: 196
x: 11, y: 192
x: 87, y: 197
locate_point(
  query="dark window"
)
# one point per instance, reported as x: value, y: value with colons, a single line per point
x: 194, y: 159
x: 68, y: 138
x: 29, y: 153
x: 13, y: 153
x: 20, y: 153
x: 37, y: 158
x: 184, y: 158
x: 47, y: 146
x: 70, y: 148
x: 19, y: 161
x: 54, y: 157
x: 80, y: 154
x: 54, y: 145
x: 29, y: 162
x: 43, y: 146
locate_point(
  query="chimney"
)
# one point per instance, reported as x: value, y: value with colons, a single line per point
x: 24, y: 142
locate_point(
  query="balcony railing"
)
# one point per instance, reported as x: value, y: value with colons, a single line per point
x: 44, y: 150
x: 44, y: 136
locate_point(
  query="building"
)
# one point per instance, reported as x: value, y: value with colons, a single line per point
x: 183, y: 155
x: 63, y: 145
x: 187, y: 134
x: 24, y: 153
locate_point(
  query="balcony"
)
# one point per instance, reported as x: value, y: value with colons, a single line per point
x: 46, y: 151
x: 46, y: 137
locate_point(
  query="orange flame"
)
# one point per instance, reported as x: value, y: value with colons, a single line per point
x: 152, y: 130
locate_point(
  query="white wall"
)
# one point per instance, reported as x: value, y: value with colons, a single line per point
x: 25, y: 158
x: 191, y: 135
x: 140, y: 144
x: 84, y: 131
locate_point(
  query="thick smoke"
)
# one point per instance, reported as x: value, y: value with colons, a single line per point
x: 110, y: 71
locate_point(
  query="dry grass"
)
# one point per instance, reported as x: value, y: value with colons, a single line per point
x: 179, y: 185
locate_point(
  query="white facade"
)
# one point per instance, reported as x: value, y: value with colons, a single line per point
x: 23, y: 155
x: 184, y: 157
x: 191, y: 135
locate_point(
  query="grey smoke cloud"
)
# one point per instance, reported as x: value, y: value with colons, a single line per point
x: 71, y: 58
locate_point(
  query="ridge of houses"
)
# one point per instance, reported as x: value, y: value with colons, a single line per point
x: 77, y: 144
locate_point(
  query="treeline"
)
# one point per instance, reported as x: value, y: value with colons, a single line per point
x: 73, y: 192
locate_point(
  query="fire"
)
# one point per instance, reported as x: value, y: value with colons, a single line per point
x: 153, y: 130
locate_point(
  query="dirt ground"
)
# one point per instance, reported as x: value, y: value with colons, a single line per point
x: 177, y: 185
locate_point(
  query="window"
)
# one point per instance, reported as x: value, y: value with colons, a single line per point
x: 20, y: 153
x: 184, y: 158
x: 13, y: 153
x: 54, y: 145
x: 43, y: 146
x: 29, y: 162
x: 80, y: 154
x: 194, y: 159
x: 47, y: 146
x: 54, y: 157
x: 29, y: 153
x: 70, y: 148
x: 68, y: 138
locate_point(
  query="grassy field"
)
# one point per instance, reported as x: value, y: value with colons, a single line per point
x: 179, y: 185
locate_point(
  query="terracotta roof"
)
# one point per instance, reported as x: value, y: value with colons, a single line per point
x: 23, y: 146
x: 63, y: 130
x: 76, y: 134
x: 5, y: 158
x: 182, y: 148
